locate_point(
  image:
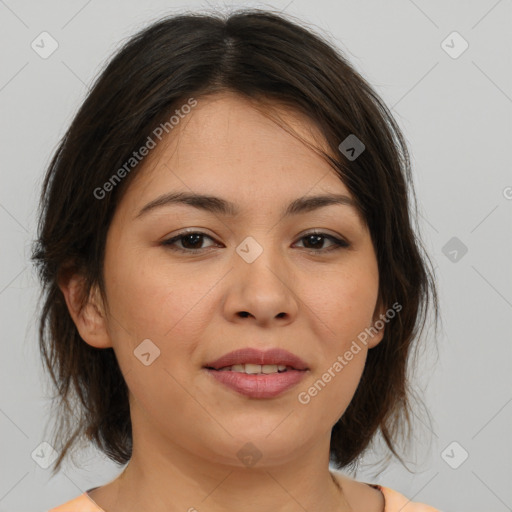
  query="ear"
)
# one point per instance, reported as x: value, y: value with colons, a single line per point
x: 378, y: 324
x: 90, y: 320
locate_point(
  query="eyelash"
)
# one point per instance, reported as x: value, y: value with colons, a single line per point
x: 338, y: 243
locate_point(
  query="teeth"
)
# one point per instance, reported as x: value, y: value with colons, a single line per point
x: 255, y: 368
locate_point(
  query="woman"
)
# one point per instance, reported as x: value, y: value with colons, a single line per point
x: 232, y: 283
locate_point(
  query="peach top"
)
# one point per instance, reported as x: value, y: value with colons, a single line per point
x: 394, y: 502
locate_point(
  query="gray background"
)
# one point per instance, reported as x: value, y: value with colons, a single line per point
x: 456, y: 115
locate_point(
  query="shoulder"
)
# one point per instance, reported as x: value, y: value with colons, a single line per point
x: 390, y: 500
x: 397, y: 502
x: 82, y: 503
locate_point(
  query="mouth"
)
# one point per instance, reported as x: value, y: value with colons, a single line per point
x: 255, y: 385
x: 254, y: 361
x: 256, y: 369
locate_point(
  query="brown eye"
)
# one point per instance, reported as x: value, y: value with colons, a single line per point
x: 315, y: 242
x: 190, y: 241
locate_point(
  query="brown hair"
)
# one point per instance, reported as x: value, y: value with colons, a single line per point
x: 262, y: 56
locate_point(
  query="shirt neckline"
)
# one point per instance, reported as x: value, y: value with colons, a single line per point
x: 375, y: 486
x: 379, y: 488
x: 95, y: 504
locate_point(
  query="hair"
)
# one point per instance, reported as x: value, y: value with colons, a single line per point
x: 271, y: 60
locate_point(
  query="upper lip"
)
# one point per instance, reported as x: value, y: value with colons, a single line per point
x: 277, y: 356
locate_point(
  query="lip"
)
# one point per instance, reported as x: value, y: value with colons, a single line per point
x: 249, y: 355
x: 258, y: 385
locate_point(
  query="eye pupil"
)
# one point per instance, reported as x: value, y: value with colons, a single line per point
x: 195, y: 236
x: 315, y: 239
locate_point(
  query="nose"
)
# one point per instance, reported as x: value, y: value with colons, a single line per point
x: 262, y: 289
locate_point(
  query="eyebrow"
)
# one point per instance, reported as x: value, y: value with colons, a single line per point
x: 226, y: 208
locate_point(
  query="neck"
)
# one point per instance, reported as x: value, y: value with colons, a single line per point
x: 156, y: 480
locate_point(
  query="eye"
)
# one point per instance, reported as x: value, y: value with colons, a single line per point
x: 191, y: 242
x: 316, y: 238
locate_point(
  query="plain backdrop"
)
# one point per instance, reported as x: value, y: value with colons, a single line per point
x: 454, y: 108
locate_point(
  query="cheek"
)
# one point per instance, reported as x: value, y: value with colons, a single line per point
x: 151, y: 297
x: 328, y: 393
x: 167, y: 304
x: 161, y: 304
x: 344, y: 302
x: 341, y: 306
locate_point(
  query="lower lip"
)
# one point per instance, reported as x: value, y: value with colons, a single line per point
x: 258, y: 385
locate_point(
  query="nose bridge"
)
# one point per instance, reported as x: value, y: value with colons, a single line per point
x: 264, y: 283
x: 261, y: 258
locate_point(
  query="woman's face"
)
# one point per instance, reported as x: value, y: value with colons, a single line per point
x: 250, y: 280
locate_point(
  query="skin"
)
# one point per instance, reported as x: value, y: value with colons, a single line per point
x: 187, y: 427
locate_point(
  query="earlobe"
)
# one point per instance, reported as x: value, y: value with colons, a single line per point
x: 379, y: 325
x: 90, y: 319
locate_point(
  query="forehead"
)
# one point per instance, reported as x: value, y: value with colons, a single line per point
x: 230, y: 147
